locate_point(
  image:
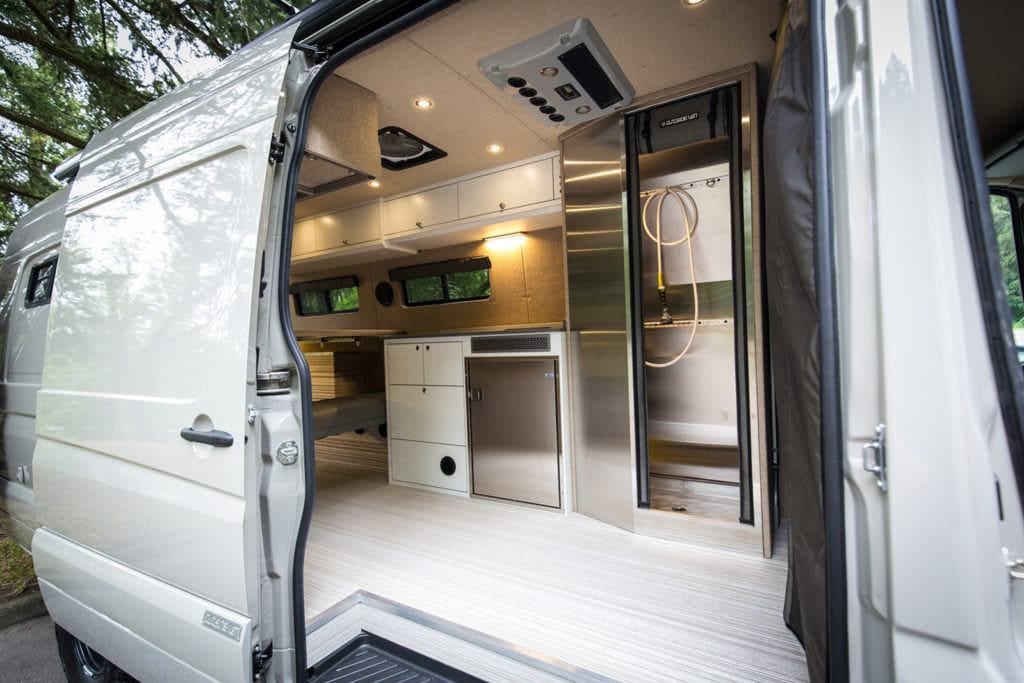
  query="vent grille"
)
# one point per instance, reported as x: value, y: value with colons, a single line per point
x: 515, y: 343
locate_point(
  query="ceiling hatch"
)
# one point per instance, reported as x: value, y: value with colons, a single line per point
x: 401, y: 149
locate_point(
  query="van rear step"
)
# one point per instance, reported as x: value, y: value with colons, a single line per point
x: 368, y: 658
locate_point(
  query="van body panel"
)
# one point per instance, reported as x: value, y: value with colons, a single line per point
x: 240, y: 91
x: 149, y: 628
x: 157, y: 285
x: 22, y: 341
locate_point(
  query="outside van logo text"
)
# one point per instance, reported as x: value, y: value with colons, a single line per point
x: 223, y: 626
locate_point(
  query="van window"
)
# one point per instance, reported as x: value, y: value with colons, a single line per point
x: 1010, y: 241
x: 40, y: 283
x: 320, y: 297
x: 443, y: 282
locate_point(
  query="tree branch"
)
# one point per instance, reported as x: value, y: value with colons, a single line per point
x: 127, y: 19
x: 73, y: 57
x: 27, y: 156
x: 43, y: 19
x: 20, y: 191
x: 215, y: 46
x: 41, y: 126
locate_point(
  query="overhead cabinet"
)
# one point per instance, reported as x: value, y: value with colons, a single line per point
x: 304, y: 237
x: 507, y: 190
x: 421, y: 210
x: 358, y: 225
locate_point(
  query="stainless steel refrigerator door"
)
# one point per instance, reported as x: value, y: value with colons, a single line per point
x: 513, y: 414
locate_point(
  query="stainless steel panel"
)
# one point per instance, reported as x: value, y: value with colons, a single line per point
x: 513, y: 414
x: 594, y: 174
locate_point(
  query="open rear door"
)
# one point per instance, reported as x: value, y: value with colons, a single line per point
x: 933, y: 516
x: 146, y: 470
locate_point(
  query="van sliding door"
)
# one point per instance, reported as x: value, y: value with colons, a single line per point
x: 146, y: 470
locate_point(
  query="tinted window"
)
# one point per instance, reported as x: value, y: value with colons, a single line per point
x: 337, y: 295
x: 467, y: 285
x: 1009, y: 241
x: 40, y: 283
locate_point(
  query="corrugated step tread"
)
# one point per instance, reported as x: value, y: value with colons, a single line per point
x: 371, y: 659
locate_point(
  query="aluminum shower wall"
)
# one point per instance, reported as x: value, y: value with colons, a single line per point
x: 593, y: 174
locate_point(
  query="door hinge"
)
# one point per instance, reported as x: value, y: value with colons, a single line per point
x: 261, y: 660
x: 874, y: 457
x: 277, y: 148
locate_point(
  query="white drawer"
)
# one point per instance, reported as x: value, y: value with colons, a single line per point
x: 420, y: 463
x: 506, y: 190
x: 435, y: 414
x: 351, y: 226
x: 304, y: 239
x: 421, y: 210
x: 443, y: 364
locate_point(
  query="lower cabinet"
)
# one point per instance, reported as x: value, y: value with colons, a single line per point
x: 430, y: 464
x: 422, y: 413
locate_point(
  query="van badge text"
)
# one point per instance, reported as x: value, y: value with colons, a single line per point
x: 223, y: 626
x: 680, y: 119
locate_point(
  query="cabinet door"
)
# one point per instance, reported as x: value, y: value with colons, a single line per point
x: 421, y: 210
x: 443, y: 364
x: 304, y: 240
x: 351, y: 226
x: 427, y: 463
x: 405, y: 363
x: 434, y: 414
x: 505, y: 190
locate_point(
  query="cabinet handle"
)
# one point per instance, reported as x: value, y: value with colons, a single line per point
x: 424, y: 390
x: 344, y: 241
x: 417, y: 347
x: 428, y: 347
x: 501, y: 205
x: 419, y: 224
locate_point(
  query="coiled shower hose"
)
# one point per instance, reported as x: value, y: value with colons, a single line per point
x: 683, y: 198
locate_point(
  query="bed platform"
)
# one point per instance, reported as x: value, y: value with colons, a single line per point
x: 335, y: 416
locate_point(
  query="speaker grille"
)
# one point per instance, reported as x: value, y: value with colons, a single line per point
x: 514, y: 343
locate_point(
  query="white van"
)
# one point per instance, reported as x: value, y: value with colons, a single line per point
x: 525, y: 341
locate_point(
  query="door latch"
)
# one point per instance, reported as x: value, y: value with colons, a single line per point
x: 873, y: 454
x: 1014, y: 565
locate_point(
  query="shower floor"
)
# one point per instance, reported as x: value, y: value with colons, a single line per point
x: 701, y: 498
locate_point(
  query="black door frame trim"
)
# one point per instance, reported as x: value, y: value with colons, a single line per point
x: 832, y: 447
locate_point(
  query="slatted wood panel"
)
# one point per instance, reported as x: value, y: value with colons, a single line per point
x: 338, y: 374
x: 623, y: 605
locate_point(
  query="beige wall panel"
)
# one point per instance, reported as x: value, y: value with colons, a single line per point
x: 534, y: 296
x: 545, y: 276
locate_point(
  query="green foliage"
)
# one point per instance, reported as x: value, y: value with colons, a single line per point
x: 70, y: 69
x: 16, y: 570
x: 1003, y: 222
x: 472, y: 284
x: 344, y: 299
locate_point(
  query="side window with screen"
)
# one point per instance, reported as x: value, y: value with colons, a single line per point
x: 320, y: 297
x: 467, y: 279
x: 40, y: 283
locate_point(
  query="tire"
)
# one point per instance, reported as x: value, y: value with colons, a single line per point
x: 82, y: 664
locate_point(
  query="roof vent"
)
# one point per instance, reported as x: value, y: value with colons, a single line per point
x: 401, y: 149
x: 563, y: 77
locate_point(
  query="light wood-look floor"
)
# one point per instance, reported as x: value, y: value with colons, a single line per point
x: 626, y: 606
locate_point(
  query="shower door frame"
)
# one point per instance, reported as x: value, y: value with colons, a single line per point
x: 751, y: 360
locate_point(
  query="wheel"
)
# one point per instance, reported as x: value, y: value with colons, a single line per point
x: 82, y: 664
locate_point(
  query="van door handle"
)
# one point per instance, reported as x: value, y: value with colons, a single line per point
x: 213, y: 437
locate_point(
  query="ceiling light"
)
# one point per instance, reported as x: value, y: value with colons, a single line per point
x: 495, y: 148
x: 374, y: 184
x: 693, y: 2
x: 423, y: 103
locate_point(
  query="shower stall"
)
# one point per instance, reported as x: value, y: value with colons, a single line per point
x: 663, y: 263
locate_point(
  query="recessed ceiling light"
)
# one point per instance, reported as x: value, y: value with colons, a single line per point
x: 374, y: 184
x: 423, y: 103
x: 495, y: 148
x: 693, y: 2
